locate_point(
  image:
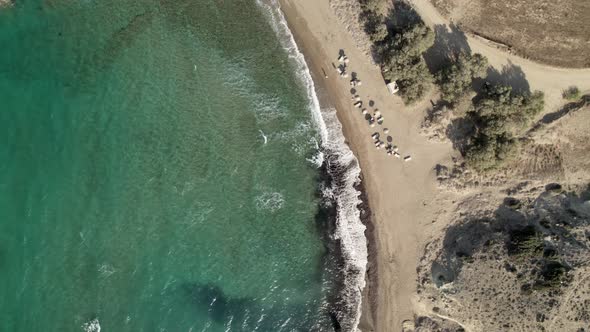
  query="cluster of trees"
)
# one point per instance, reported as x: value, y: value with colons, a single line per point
x: 499, y: 115
x: 402, y: 60
x: 399, y: 48
x: 455, y: 79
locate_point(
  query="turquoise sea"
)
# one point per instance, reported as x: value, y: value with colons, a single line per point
x: 159, y: 171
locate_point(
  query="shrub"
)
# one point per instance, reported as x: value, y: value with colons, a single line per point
x: 571, y: 93
x: 526, y: 242
x: 490, y: 152
x: 552, y: 275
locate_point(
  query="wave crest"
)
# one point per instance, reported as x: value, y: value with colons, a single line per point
x: 344, y: 170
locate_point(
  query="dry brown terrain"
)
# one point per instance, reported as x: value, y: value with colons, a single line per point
x: 548, y: 31
x: 474, y: 275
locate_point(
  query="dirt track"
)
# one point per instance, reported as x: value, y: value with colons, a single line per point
x: 551, y: 80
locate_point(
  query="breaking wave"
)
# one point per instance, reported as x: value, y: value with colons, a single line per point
x: 92, y: 326
x: 343, y: 170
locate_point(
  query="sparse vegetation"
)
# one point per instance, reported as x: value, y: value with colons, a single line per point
x: 551, y: 276
x: 572, y: 93
x: 498, y: 116
x: 525, y: 243
x: 455, y: 79
x: 492, y: 268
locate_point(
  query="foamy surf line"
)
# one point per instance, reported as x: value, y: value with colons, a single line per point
x: 345, y: 171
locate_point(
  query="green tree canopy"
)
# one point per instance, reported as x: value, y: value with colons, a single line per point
x: 454, y: 80
x: 402, y: 59
x: 499, y: 116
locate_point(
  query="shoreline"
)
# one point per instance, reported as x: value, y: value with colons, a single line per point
x: 368, y: 296
x: 342, y: 185
x: 401, y: 195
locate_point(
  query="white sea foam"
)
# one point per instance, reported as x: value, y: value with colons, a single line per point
x: 267, y: 107
x: 263, y: 136
x: 106, y: 270
x: 343, y: 167
x: 92, y: 326
x: 279, y: 25
x: 270, y: 201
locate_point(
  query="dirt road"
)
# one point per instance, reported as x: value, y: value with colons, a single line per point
x: 551, y: 80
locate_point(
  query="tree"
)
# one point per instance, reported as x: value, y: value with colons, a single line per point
x: 399, y: 49
x: 373, y: 20
x: 499, y: 116
x: 501, y: 110
x: 489, y: 152
x: 410, y: 41
x: 402, y: 58
x: 374, y: 26
x: 454, y: 80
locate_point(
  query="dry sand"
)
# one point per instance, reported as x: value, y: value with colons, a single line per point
x: 403, y: 196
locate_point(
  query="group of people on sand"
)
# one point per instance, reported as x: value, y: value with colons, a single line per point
x: 373, y: 118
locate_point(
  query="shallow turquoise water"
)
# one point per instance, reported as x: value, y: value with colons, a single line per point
x: 135, y: 185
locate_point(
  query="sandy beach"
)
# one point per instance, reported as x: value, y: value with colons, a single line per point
x: 400, y: 193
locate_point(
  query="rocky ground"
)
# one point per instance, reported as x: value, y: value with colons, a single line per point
x: 522, y: 267
x: 515, y: 256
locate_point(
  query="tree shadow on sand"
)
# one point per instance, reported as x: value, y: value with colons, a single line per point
x: 565, y: 110
x: 400, y: 15
x: 569, y: 107
x: 449, y: 42
x: 510, y: 75
x: 459, y: 132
